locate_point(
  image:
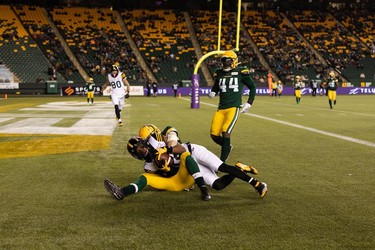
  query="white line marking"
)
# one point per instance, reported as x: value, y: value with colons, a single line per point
x: 347, y: 138
x: 93, y: 120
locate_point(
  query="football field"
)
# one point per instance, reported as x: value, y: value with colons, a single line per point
x: 319, y: 165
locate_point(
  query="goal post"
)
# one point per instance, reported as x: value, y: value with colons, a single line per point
x: 195, y: 77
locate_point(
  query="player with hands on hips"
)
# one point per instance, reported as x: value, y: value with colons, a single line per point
x: 117, y: 81
x: 230, y: 80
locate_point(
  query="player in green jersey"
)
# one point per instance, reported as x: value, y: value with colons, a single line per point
x: 297, y: 84
x: 230, y: 80
x: 90, y: 88
x: 332, y: 84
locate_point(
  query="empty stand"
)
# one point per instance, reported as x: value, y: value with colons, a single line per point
x: 163, y: 40
x: 97, y: 41
x: 19, y: 52
x: 41, y: 31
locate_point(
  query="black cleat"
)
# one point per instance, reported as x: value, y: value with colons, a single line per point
x: 262, y: 189
x: 113, y: 189
x: 205, y: 195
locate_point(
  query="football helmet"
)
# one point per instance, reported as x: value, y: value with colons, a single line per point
x: 91, y: 79
x: 115, y: 68
x: 149, y: 129
x: 229, y: 60
x: 133, y: 145
x: 332, y: 74
x: 298, y: 77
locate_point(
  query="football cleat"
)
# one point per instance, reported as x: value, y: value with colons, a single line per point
x: 205, y: 195
x: 246, y: 168
x: 120, y: 124
x: 261, y: 188
x: 113, y: 189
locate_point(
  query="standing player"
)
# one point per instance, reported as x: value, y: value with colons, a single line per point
x: 314, y: 87
x: 274, y: 88
x: 117, y: 81
x: 175, y: 88
x: 90, y: 88
x: 229, y: 84
x: 279, y: 88
x: 332, y: 84
x: 297, y: 84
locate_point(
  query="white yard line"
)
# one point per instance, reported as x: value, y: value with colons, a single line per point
x: 318, y: 131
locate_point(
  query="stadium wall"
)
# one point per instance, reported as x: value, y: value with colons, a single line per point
x: 168, y: 91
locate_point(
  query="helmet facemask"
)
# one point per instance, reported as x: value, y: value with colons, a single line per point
x: 229, y: 60
x: 137, y: 148
x: 114, y: 70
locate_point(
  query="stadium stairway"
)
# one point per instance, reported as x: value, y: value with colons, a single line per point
x: 50, y: 42
x: 19, y: 52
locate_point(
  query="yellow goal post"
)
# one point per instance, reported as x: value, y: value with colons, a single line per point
x: 195, y: 77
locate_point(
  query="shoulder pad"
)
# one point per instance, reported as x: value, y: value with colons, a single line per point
x: 216, y: 71
x: 123, y: 75
x: 169, y: 129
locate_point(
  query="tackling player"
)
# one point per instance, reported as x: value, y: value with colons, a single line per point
x: 117, y: 80
x: 229, y: 83
x: 209, y: 164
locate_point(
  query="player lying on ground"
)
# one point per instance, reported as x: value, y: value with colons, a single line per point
x: 174, y: 166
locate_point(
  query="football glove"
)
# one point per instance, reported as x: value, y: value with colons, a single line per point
x: 159, y: 152
x: 211, y: 94
x: 165, y: 167
x: 127, y: 95
x: 245, y: 107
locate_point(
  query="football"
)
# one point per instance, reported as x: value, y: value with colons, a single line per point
x: 164, y: 160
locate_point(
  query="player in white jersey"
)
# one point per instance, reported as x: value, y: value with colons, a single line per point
x: 117, y: 80
x: 208, y: 163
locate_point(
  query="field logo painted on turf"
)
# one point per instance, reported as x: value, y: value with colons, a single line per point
x: 55, y: 128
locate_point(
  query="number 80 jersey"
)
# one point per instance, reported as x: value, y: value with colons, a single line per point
x: 118, y: 86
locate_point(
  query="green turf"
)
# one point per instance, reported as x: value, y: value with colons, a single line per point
x: 321, y: 188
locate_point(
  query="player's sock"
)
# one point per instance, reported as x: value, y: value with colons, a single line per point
x: 225, y: 149
x: 194, y: 171
x: 117, y: 111
x: 135, y: 187
x: 330, y: 103
x: 217, y: 139
x: 223, y: 182
x: 236, y: 172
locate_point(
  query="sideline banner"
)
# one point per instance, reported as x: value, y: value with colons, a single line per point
x: 9, y: 85
x: 81, y: 90
x: 204, y: 91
